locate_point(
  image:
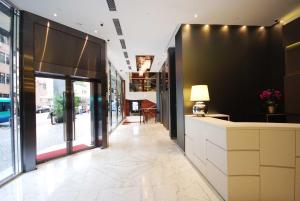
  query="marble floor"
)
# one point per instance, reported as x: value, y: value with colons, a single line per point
x: 141, y: 164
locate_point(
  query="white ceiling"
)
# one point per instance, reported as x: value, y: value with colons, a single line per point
x: 149, y: 25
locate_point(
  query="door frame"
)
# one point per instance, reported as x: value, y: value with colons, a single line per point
x: 69, y: 109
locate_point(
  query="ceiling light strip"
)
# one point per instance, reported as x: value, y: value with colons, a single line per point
x: 111, y: 5
x: 123, y: 44
x: 118, y: 26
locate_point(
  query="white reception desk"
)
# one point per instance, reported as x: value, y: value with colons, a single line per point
x: 246, y: 161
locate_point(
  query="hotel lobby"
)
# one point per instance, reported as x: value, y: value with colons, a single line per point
x: 172, y: 100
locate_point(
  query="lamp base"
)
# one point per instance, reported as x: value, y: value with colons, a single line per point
x: 199, y: 109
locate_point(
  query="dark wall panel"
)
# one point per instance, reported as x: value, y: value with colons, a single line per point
x: 164, y: 95
x: 291, y: 35
x: 292, y: 96
x: 179, y: 90
x: 27, y: 95
x: 228, y: 61
x: 291, y: 32
x: 158, y: 97
x: 292, y: 60
x: 235, y: 62
x: 172, y: 92
x: 276, y: 69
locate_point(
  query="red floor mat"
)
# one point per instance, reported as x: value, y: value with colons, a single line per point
x: 60, y: 152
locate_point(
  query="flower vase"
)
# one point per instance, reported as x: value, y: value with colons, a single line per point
x: 271, y: 109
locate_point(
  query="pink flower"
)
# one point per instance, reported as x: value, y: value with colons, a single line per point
x: 261, y: 97
x: 266, y: 93
x: 270, y: 95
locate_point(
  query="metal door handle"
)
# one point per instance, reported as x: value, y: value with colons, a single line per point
x: 73, y: 116
x: 64, y: 116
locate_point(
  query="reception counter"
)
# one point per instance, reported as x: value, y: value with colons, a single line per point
x: 246, y: 161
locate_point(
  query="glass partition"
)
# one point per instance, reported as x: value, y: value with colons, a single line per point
x: 144, y: 83
x: 120, y: 104
x: 9, y: 93
x: 115, y: 104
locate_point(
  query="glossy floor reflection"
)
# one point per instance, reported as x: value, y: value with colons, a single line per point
x: 142, y: 164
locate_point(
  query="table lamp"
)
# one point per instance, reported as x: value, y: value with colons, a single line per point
x: 199, y: 94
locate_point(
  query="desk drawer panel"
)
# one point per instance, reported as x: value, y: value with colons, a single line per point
x: 243, y: 139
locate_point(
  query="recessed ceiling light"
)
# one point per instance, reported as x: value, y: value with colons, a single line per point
x: 96, y: 31
x: 55, y: 14
x: 225, y: 28
x: 244, y: 28
x: 196, y: 15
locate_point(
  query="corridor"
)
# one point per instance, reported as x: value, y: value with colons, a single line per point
x: 141, y: 164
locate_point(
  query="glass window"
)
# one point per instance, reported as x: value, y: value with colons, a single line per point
x: 6, y: 58
x: 4, y: 106
x: 2, y: 78
x: 2, y: 57
x: 7, y: 80
x: 3, y: 39
x: 9, y: 94
x: 115, y: 105
x: 144, y: 83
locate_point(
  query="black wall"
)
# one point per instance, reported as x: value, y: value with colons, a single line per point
x: 167, y: 94
x: 172, y: 92
x: 158, y: 98
x: 291, y: 34
x: 164, y: 95
x: 235, y: 62
x: 179, y: 90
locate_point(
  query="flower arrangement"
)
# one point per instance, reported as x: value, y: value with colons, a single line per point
x: 270, y: 98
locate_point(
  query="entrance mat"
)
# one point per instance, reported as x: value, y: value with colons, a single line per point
x: 59, y: 152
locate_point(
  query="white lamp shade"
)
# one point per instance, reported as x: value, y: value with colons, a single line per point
x: 199, y: 93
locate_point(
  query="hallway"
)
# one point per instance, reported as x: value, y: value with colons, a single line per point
x: 141, y: 164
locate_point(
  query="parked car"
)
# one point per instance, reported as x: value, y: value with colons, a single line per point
x: 42, y: 109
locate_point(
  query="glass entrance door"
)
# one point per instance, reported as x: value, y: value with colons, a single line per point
x: 82, y: 116
x: 50, y: 118
x: 64, y: 117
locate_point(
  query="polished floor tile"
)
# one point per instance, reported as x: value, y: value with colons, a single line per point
x: 141, y: 164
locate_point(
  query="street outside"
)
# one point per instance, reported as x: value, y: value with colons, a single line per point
x: 51, y: 137
x: 6, y: 167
